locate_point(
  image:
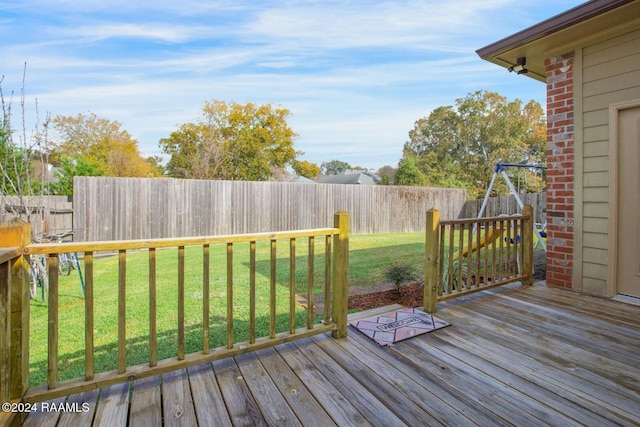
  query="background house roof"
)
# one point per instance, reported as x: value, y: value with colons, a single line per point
x: 351, y: 177
x: 562, y: 33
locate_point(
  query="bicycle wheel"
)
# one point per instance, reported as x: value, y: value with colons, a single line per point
x: 65, y: 265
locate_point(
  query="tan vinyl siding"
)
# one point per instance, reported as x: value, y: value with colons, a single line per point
x: 610, y: 74
x: 594, y: 149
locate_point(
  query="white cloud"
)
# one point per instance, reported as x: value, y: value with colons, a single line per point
x: 155, y: 31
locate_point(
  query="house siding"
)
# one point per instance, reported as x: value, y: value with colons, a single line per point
x: 610, y: 73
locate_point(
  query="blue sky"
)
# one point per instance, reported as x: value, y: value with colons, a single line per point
x: 356, y: 75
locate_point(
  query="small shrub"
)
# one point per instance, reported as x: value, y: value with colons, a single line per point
x: 399, y: 273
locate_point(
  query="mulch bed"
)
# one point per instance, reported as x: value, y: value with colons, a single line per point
x: 409, y: 296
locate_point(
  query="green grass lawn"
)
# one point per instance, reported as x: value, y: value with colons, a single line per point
x: 369, y: 256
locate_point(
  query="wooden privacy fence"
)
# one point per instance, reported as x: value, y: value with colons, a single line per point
x: 14, y: 283
x: 46, y: 214
x: 469, y: 255
x: 140, y: 208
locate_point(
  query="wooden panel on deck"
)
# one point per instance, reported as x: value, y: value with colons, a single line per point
x: 113, y: 406
x: 299, y: 398
x: 272, y: 404
x: 146, y: 402
x: 240, y: 404
x: 207, y: 397
x: 177, y: 403
x: 80, y: 409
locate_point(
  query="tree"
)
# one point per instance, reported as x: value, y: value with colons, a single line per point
x: 334, y: 167
x: 387, y: 175
x: 23, y: 156
x: 460, y: 146
x: 68, y: 169
x: 408, y: 173
x: 14, y: 165
x: 101, y: 143
x: 232, y: 141
x: 306, y: 169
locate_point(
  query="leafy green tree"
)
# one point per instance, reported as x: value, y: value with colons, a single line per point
x: 408, y: 172
x: 68, y: 169
x: 334, y: 167
x: 306, y: 169
x: 102, y: 143
x: 232, y: 141
x: 460, y: 146
x: 156, y: 165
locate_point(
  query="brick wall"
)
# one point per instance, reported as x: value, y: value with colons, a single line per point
x: 560, y: 174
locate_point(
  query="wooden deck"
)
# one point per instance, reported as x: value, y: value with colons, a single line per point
x: 512, y: 356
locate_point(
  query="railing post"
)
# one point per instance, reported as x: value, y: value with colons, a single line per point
x: 16, y: 233
x: 527, y: 245
x: 340, y: 273
x: 431, y: 279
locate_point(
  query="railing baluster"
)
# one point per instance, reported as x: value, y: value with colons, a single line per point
x: 272, y: 290
x: 517, y: 235
x: 461, y: 259
x: 252, y: 292
x: 451, y: 260
x: 510, y: 263
x: 229, y: 295
x: 493, y: 252
x: 487, y: 274
x: 89, y: 367
x: 470, y: 283
x: 507, y: 249
x: 53, y: 319
x: 327, y: 278
x: 292, y: 286
x: 153, y: 309
x: 206, y: 259
x: 441, y: 284
x: 478, y: 251
x: 180, y: 302
x: 311, y: 268
x: 501, y: 272
x: 122, y: 311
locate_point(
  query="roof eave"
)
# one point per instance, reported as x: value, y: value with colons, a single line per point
x: 519, y: 41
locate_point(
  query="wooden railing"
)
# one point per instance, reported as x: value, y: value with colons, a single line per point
x: 469, y: 255
x: 14, y: 271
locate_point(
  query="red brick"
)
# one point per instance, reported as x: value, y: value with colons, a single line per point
x: 568, y: 95
x: 563, y: 123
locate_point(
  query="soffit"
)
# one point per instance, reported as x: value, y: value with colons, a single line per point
x: 562, y: 34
